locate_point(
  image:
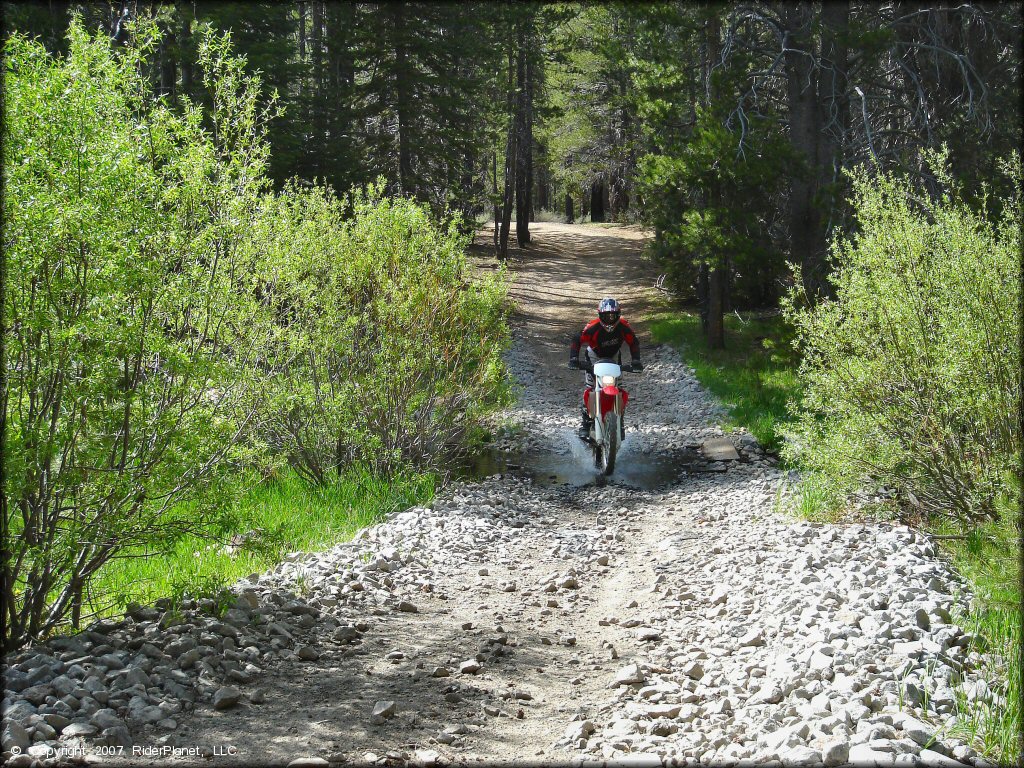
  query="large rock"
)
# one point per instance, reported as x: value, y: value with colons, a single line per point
x: 14, y: 735
x: 226, y: 697
x: 631, y: 674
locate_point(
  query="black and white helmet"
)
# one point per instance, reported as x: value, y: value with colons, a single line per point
x: 608, y: 313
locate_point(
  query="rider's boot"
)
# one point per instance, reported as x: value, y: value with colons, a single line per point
x: 584, y: 430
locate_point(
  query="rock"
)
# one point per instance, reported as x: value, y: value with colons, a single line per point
x: 84, y: 730
x: 308, y: 762
x: 918, y: 731
x: 308, y: 653
x: 15, y: 735
x: 864, y: 755
x: 470, y: 667
x: 426, y: 757
x: 930, y: 757
x: 406, y: 607
x: 346, y: 633
x: 835, y: 752
x: 754, y: 638
x: 800, y: 755
x: 648, y: 635
x: 106, y: 718
x: 226, y: 697
x: 382, y: 710
x: 693, y: 670
x: 630, y: 674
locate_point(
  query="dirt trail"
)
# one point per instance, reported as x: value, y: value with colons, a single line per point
x: 564, y: 650
x: 566, y: 270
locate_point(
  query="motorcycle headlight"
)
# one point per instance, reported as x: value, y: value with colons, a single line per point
x: 608, y: 381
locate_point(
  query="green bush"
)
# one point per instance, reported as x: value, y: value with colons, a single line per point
x: 128, y: 324
x: 912, y: 373
x: 386, y: 353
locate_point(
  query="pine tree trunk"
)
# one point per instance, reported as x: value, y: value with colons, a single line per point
x: 497, y: 208
x: 403, y: 100
x: 569, y: 217
x: 834, y: 103
x: 807, y: 240
x: 703, y: 292
x: 187, y: 75
x: 716, y: 272
x: 508, y: 195
x: 597, y: 198
x: 522, y: 159
x: 168, y: 64
x: 716, y: 308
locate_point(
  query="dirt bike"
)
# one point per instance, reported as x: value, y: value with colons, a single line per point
x: 607, y: 430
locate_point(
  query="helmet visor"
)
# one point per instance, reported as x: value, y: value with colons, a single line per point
x: 608, y: 318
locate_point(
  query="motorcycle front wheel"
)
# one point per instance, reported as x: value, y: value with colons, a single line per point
x: 611, y: 442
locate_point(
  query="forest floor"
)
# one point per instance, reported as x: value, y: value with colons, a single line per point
x: 539, y: 616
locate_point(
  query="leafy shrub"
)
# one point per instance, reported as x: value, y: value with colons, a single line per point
x: 912, y: 374
x: 385, y: 352
x: 129, y: 331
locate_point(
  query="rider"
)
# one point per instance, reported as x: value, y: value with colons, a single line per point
x: 603, y: 338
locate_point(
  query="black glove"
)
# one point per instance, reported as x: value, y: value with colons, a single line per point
x: 574, y: 364
x: 637, y: 365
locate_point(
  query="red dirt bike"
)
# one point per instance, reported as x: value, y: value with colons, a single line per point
x: 606, y: 403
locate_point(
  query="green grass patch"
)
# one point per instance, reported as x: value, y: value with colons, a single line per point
x: 988, y: 556
x: 754, y: 376
x: 274, y: 517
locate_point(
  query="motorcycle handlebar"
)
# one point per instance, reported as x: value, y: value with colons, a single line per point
x: 586, y: 365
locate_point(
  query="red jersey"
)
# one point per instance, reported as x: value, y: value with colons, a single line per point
x: 606, y: 344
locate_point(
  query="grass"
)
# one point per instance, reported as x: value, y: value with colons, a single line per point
x: 274, y: 517
x: 754, y: 376
x: 989, y: 558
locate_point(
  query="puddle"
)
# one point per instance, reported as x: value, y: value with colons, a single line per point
x: 575, y: 467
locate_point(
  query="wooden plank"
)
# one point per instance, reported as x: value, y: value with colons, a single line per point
x: 720, y: 449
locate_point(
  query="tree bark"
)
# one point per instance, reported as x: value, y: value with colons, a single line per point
x: 716, y: 273
x: 716, y: 308
x: 187, y: 75
x: 497, y: 208
x: 403, y: 100
x: 569, y: 217
x: 597, y: 199
x: 523, y: 143
x: 835, y: 105
x: 807, y: 239
x: 168, y: 64
x: 510, y: 159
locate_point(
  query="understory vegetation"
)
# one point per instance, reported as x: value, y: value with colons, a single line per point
x: 754, y: 377
x: 269, y: 518
x: 900, y: 396
x: 176, y: 332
